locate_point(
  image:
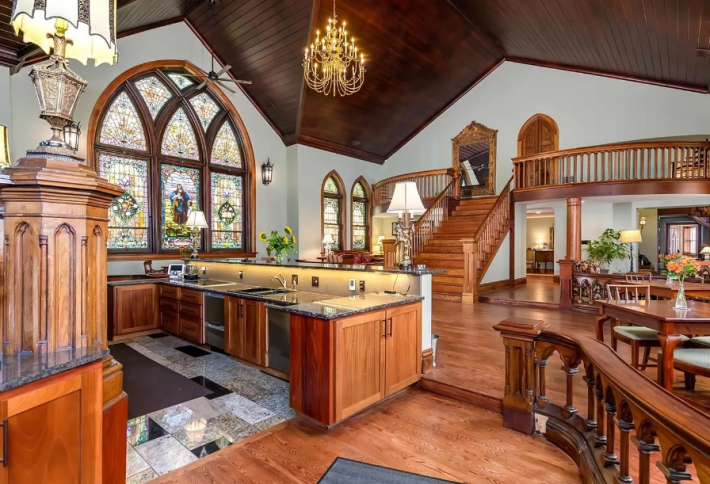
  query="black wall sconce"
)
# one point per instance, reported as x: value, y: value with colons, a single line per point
x: 267, y: 172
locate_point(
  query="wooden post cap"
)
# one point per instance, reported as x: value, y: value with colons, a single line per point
x: 523, y: 326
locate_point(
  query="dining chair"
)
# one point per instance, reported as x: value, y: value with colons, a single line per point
x: 692, y: 362
x: 637, y: 277
x: 635, y: 336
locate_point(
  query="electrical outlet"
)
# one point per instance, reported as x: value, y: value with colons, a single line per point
x: 352, y: 284
x: 362, y: 286
x: 241, y: 274
x: 204, y: 271
x: 314, y: 281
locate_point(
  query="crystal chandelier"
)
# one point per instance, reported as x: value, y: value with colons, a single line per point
x: 331, y: 64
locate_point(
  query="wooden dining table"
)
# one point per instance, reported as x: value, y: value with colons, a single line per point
x: 659, y: 315
x: 692, y: 289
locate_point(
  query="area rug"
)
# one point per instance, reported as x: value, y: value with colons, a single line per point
x: 151, y: 386
x: 346, y: 471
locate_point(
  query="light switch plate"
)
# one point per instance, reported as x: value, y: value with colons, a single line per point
x: 362, y: 286
x: 314, y: 281
x: 241, y: 274
x: 352, y: 284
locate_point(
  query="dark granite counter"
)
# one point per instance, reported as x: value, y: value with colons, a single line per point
x: 341, y: 307
x: 16, y: 370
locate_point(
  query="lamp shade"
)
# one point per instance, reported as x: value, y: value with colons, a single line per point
x: 92, y: 26
x: 196, y: 219
x: 406, y: 199
x: 705, y: 250
x: 328, y: 239
x: 4, y: 148
x: 630, y: 236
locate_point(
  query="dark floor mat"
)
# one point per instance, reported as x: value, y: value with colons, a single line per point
x: 151, y: 386
x: 346, y: 471
x: 193, y: 351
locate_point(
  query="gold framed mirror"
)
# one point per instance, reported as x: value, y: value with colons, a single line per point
x: 474, y: 159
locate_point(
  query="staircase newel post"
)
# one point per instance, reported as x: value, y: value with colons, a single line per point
x: 566, y: 270
x: 389, y: 250
x: 470, y: 271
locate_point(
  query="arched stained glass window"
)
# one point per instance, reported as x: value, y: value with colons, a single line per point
x: 360, y: 221
x: 174, y: 150
x: 122, y: 126
x: 332, y: 211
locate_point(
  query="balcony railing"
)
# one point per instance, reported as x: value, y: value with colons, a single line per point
x: 614, y: 163
x: 430, y: 184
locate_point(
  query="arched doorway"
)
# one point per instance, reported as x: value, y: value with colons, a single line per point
x: 539, y: 134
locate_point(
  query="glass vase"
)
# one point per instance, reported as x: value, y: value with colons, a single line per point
x: 669, y: 281
x: 278, y: 257
x: 680, y: 302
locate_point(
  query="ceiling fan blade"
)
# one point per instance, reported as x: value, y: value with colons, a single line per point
x: 195, y: 75
x: 237, y: 81
x: 226, y: 87
x: 223, y: 70
x: 203, y: 84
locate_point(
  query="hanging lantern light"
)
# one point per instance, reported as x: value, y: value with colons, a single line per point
x: 267, y: 172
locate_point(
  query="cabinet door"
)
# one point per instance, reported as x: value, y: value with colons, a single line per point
x: 169, y: 321
x: 359, y: 362
x: 254, y: 326
x: 404, y: 347
x: 135, y: 308
x: 234, y: 326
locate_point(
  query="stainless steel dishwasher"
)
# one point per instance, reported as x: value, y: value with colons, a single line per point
x: 214, y: 320
x: 279, y: 327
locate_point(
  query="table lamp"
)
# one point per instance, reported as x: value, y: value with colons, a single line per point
x: 196, y: 221
x: 630, y: 237
x: 327, y: 244
x: 69, y: 29
x: 706, y: 252
x: 406, y: 202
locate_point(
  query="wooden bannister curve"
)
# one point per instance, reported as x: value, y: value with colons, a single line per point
x: 492, y: 231
x: 430, y: 183
x: 430, y: 220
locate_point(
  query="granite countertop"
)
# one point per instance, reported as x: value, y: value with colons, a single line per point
x: 341, y: 307
x: 20, y: 369
x: 333, y: 267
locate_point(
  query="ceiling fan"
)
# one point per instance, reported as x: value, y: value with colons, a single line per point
x: 213, y: 76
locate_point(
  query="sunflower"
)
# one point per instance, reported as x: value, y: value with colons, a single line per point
x: 293, y: 239
x: 288, y: 230
x: 285, y: 240
x: 262, y: 236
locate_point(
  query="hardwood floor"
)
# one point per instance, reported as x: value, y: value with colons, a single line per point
x: 540, y: 291
x: 416, y: 432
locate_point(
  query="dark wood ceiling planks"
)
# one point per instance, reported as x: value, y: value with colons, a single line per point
x: 422, y: 55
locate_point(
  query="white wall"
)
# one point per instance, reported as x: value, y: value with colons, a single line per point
x: 538, y: 228
x: 588, y: 109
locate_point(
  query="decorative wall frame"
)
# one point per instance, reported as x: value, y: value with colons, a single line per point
x: 476, y: 133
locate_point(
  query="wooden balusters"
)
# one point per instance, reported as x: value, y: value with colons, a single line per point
x: 430, y: 183
x: 569, y: 409
x: 591, y: 404
x: 625, y: 429
x: 435, y: 215
x: 541, y: 397
x: 600, y: 438
x: 609, y: 457
x: 645, y: 449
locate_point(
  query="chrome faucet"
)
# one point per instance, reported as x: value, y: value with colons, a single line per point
x: 281, y: 279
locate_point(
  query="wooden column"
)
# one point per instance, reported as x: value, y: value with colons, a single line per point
x: 55, y: 229
x: 470, y: 271
x: 566, y: 269
x: 390, y: 252
x: 519, y: 340
x: 574, y: 228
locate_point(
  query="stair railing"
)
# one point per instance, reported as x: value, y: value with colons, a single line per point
x: 430, y: 184
x: 436, y: 214
x: 496, y: 223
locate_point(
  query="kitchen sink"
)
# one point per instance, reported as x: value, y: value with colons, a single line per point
x: 262, y: 291
x: 252, y: 290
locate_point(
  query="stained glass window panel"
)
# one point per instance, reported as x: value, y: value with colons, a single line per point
x: 359, y: 213
x: 179, y: 137
x: 358, y: 191
x: 359, y: 225
x: 331, y: 220
x: 180, y: 81
x: 227, y: 211
x: 225, y: 150
x: 359, y: 238
x: 331, y: 186
x: 154, y: 93
x: 128, y: 213
x: 180, y: 188
x: 205, y: 108
x: 122, y: 125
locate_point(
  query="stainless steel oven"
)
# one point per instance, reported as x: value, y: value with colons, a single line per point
x: 214, y: 319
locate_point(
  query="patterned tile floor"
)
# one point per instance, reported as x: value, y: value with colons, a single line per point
x: 243, y: 402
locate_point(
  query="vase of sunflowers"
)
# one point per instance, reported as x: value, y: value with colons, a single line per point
x: 279, y: 244
x: 678, y: 267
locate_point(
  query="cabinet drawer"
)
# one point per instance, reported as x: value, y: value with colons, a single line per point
x: 170, y: 321
x: 170, y: 291
x: 167, y: 304
x: 191, y: 329
x: 194, y: 297
x: 191, y: 310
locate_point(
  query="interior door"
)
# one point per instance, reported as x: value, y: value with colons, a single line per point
x: 404, y: 347
x: 539, y: 135
x: 359, y: 363
x: 254, y: 325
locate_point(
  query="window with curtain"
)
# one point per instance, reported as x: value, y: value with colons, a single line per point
x: 360, y: 220
x: 174, y: 149
x: 332, y: 210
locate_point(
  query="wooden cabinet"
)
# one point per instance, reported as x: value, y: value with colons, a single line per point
x: 181, y: 313
x: 134, y: 308
x: 51, y: 429
x: 245, y: 330
x: 341, y: 367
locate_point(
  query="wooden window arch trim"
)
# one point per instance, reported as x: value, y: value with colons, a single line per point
x: 341, y: 212
x: 368, y: 215
x: 530, y: 121
x: 206, y: 139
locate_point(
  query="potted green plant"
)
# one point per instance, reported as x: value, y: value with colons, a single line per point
x: 278, y: 244
x: 606, y: 249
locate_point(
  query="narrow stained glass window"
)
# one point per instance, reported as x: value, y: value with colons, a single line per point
x: 359, y: 218
x: 129, y: 213
x: 154, y: 93
x: 180, y: 190
x: 122, y: 125
x: 180, y: 81
x: 227, y: 221
x: 331, y: 186
x: 179, y: 137
x: 225, y: 150
x: 205, y: 108
x: 331, y: 220
x: 358, y: 191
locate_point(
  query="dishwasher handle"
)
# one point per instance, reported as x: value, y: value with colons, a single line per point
x: 214, y: 326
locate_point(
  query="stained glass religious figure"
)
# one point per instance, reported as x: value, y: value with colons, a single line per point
x: 180, y: 186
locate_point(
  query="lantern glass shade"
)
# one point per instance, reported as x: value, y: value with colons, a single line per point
x: 267, y: 173
x: 4, y: 148
x: 91, y: 26
x: 72, y: 134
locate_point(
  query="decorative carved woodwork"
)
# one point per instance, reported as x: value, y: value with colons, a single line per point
x: 470, y: 271
x: 475, y: 133
x: 574, y: 229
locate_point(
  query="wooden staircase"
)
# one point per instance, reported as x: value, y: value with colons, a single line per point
x: 485, y: 220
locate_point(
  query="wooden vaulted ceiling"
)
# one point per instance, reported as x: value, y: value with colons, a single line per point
x: 421, y: 55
